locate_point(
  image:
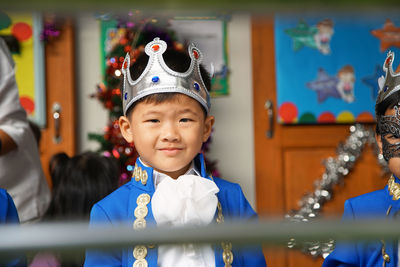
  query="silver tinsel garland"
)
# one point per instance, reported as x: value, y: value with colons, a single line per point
x: 336, y: 169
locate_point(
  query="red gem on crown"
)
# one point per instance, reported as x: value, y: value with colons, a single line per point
x: 388, y: 60
x: 196, y: 54
x: 155, y: 48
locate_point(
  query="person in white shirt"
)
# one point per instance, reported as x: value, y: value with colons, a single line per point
x: 21, y: 172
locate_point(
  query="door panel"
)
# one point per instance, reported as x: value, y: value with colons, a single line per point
x: 60, y: 88
x: 299, y: 165
x: 288, y: 163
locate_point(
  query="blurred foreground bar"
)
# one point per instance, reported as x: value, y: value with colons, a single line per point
x: 77, y: 236
x: 73, y: 6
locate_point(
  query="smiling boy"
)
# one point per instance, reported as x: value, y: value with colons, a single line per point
x: 166, y: 116
x: 167, y: 136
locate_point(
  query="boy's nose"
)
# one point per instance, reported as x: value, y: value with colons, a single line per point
x: 170, y: 133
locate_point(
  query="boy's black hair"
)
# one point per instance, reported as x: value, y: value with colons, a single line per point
x: 177, y: 61
x: 386, y: 104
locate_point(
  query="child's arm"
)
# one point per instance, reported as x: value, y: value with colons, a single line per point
x: 98, y: 258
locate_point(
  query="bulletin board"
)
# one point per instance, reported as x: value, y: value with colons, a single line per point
x: 327, y: 66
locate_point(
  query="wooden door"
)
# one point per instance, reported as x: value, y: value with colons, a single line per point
x: 288, y: 163
x: 60, y: 88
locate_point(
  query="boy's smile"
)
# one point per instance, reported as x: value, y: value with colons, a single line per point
x: 167, y: 135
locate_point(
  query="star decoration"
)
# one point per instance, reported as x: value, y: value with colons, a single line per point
x: 389, y: 35
x: 372, y: 81
x: 325, y: 86
x: 303, y: 35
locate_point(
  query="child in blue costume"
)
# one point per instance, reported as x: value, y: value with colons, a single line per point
x: 383, y: 203
x: 9, y: 215
x: 166, y: 115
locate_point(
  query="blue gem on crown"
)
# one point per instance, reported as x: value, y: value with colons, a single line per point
x: 155, y: 79
x: 196, y: 86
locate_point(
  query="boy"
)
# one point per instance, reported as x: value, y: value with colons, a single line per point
x: 166, y: 115
x: 385, y: 202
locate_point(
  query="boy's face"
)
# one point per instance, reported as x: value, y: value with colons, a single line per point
x: 389, y: 145
x: 167, y: 135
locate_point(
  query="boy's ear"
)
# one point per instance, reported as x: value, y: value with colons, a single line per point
x: 208, y: 124
x: 378, y: 139
x: 126, y: 129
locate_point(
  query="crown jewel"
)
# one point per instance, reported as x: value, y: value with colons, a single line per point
x: 157, y: 77
x: 391, y: 82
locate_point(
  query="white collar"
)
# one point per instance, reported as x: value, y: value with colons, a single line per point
x: 159, y: 176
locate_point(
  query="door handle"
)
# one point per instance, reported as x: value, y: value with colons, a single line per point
x: 57, y: 121
x: 269, y: 106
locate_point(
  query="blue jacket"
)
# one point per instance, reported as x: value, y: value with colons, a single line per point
x: 119, y: 206
x: 9, y: 215
x: 373, y: 205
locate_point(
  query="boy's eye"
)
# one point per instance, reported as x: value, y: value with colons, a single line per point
x: 392, y: 139
x: 153, y: 120
x: 185, y: 120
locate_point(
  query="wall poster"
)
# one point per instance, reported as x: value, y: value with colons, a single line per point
x: 327, y: 66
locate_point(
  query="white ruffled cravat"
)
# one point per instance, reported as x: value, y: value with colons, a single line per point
x: 188, y: 200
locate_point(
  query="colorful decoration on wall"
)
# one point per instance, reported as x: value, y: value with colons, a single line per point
x: 326, y: 66
x: 389, y: 35
x: 317, y: 36
x: 338, y: 86
x: 50, y: 29
x: 28, y: 55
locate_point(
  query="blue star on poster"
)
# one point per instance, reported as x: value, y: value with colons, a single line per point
x: 372, y: 80
x: 339, y: 86
x: 324, y: 85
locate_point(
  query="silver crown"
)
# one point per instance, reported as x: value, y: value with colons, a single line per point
x: 391, y: 82
x: 159, y: 78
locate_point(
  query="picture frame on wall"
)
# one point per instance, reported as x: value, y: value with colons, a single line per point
x: 207, y: 33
